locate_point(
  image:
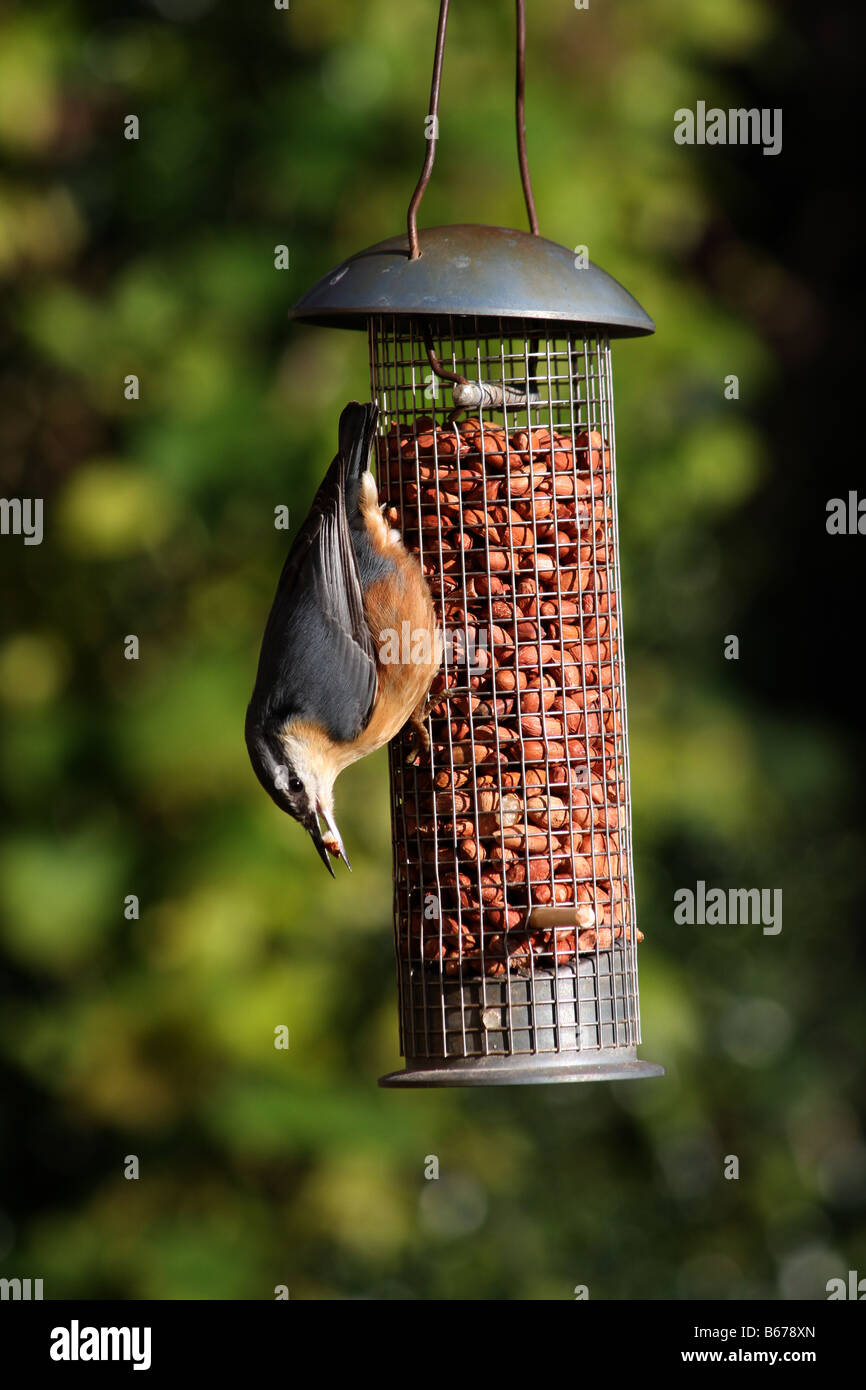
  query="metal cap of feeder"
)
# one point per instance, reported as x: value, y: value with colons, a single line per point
x: 472, y: 270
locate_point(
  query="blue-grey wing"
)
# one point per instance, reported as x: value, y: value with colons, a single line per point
x: 317, y: 659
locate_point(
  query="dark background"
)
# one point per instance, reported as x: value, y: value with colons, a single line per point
x: 154, y: 1037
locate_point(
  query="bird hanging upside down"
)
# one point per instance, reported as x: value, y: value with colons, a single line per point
x: 328, y: 689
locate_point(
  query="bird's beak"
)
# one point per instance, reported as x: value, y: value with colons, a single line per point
x: 311, y: 823
x: 337, y: 838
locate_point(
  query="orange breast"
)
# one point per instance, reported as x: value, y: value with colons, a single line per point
x: 408, y: 646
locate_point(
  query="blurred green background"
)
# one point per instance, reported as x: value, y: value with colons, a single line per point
x: 154, y: 1037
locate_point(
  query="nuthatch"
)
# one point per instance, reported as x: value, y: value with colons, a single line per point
x: 328, y: 689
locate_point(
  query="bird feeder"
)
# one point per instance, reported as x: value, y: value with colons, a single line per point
x: 515, y: 926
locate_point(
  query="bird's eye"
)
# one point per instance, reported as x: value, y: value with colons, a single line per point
x: 295, y: 784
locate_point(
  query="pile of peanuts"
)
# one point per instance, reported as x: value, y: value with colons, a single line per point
x: 511, y: 830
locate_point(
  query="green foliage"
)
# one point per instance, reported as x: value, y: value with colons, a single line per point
x: 155, y: 1036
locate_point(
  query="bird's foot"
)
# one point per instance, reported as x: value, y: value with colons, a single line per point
x: 418, y: 735
x: 447, y: 694
x: 416, y: 725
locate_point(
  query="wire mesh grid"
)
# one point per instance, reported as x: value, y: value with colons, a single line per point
x: 513, y: 877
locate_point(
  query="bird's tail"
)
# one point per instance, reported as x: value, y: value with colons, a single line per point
x: 357, y: 427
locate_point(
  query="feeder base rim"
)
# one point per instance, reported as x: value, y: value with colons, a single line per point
x: 532, y: 1069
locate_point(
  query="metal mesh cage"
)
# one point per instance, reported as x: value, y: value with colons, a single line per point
x: 515, y: 925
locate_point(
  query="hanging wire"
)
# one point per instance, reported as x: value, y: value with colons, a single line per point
x: 433, y: 135
x: 430, y: 155
x: 519, y: 105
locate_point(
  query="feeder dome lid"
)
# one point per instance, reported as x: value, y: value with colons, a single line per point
x: 472, y: 270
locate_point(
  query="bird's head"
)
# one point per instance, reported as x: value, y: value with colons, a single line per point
x: 292, y: 764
